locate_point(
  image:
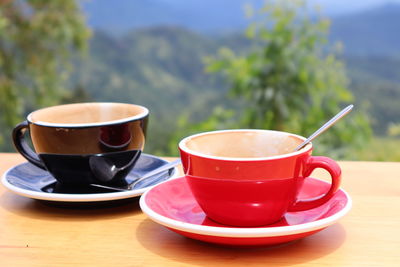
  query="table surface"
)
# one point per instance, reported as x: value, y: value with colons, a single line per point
x: 33, y: 233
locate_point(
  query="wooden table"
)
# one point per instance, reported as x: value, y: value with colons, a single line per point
x: 35, y: 234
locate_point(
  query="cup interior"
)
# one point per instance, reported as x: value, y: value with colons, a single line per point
x: 87, y: 113
x: 241, y: 143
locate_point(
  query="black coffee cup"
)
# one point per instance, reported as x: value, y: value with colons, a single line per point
x: 86, y: 142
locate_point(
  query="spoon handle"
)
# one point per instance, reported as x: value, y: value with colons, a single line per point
x: 326, y: 126
x: 159, y: 170
x: 130, y: 186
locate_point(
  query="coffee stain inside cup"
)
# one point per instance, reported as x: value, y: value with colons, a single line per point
x: 251, y: 144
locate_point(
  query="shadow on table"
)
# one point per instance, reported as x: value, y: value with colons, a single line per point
x: 84, y: 211
x: 171, y: 245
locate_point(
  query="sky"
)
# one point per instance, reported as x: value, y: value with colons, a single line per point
x: 345, y: 6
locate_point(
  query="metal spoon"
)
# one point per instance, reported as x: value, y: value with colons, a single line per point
x: 131, y: 185
x: 105, y: 170
x: 326, y: 126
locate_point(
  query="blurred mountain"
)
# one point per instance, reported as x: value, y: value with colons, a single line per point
x: 371, y: 32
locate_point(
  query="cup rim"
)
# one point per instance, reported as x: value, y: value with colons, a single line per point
x: 141, y: 115
x: 182, y: 146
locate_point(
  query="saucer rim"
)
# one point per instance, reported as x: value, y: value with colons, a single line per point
x: 244, y: 232
x: 94, y: 197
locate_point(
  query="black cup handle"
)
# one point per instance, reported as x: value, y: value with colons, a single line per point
x: 22, y: 147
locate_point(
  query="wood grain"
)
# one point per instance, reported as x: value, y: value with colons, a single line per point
x: 33, y: 233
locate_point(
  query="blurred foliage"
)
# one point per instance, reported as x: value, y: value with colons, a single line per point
x: 394, y: 130
x: 290, y: 79
x: 37, y: 41
x: 379, y: 149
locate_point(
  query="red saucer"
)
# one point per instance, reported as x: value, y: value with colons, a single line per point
x: 172, y: 204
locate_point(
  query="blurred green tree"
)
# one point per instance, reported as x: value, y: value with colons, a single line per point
x: 290, y: 81
x: 38, y: 39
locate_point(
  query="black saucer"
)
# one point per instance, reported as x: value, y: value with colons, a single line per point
x: 27, y: 180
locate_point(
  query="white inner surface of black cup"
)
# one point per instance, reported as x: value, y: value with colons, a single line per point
x: 83, y: 114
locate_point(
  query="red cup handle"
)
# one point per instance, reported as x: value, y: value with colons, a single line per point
x: 335, y: 172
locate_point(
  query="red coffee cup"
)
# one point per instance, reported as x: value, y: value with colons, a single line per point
x: 251, y: 177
